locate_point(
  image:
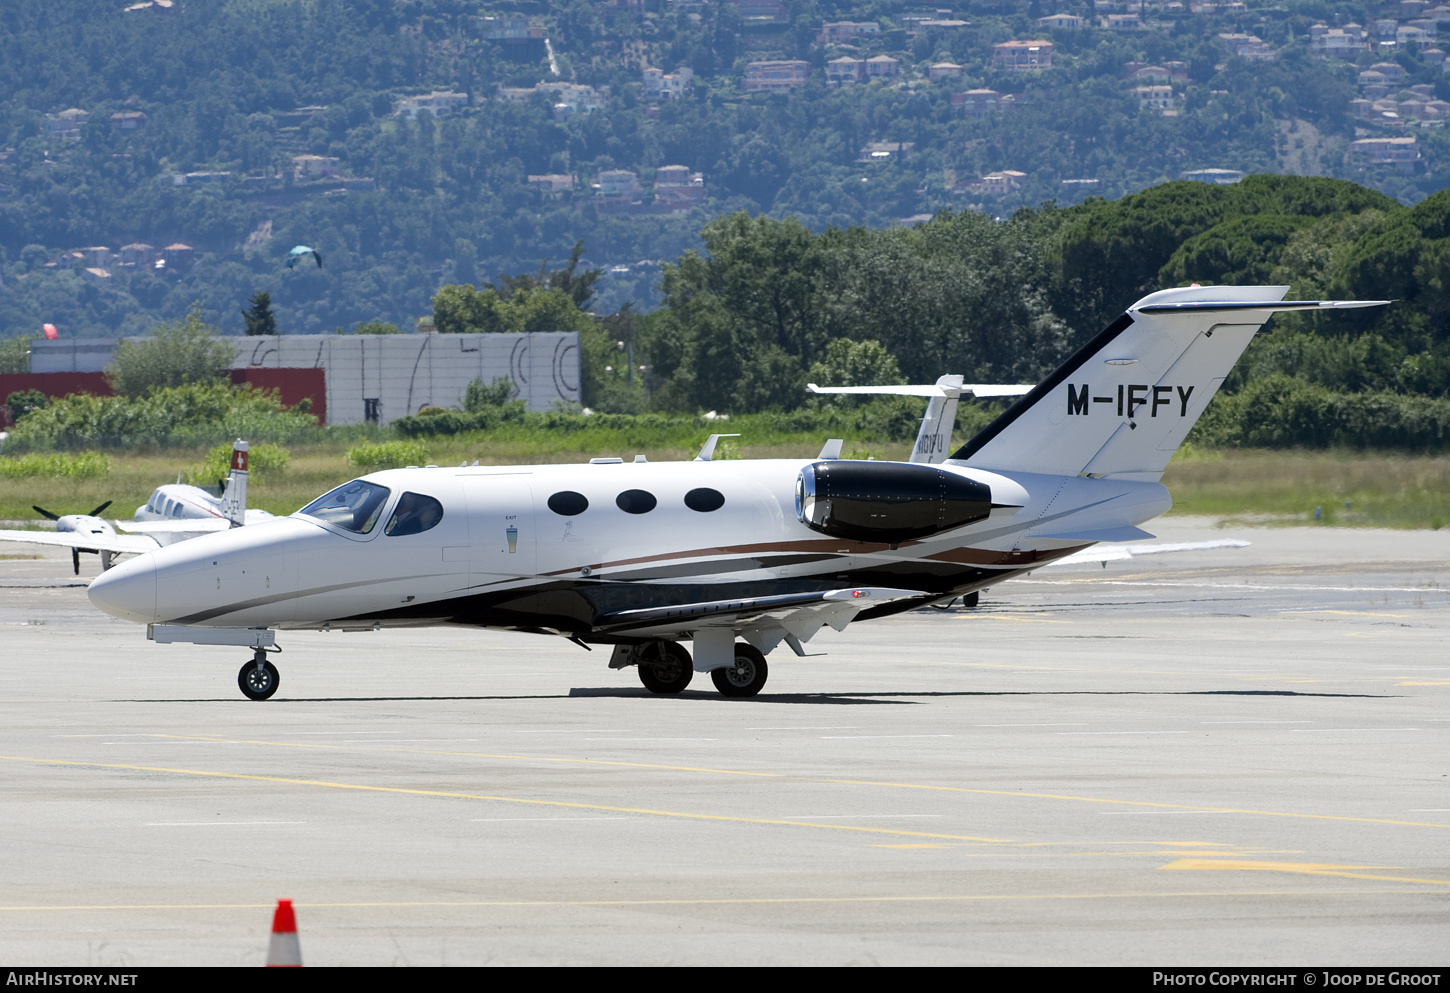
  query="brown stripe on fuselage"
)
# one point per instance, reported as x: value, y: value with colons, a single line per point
x: 834, y: 546
x: 829, y: 546
x: 983, y: 556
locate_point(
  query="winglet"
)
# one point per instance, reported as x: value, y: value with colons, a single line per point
x: 707, y: 451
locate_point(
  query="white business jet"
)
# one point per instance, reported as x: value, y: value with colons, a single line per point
x: 175, y: 512
x: 735, y: 557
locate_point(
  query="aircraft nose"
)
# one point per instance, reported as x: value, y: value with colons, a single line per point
x: 127, y: 591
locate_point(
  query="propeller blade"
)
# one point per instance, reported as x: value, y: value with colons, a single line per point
x: 75, y: 560
x: 97, y: 511
x: 45, y: 513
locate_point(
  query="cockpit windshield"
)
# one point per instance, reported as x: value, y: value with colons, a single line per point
x: 352, y: 506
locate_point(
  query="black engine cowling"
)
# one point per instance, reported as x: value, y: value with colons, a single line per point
x: 887, y: 501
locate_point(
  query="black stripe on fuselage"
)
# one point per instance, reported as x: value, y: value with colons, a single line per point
x: 1042, y: 389
x: 574, y: 605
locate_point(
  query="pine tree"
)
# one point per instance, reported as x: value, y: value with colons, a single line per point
x: 260, y: 319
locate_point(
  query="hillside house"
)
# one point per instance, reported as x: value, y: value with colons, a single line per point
x: 659, y: 85
x: 845, y: 70
x: 553, y: 182
x: 768, y: 77
x: 1400, y: 153
x: 305, y: 167
x: 836, y: 32
x: 882, y: 67
x: 1022, y: 56
x: 439, y: 103
x: 980, y: 103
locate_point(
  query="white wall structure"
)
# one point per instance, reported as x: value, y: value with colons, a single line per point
x: 386, y: 376
x: 404, y: 372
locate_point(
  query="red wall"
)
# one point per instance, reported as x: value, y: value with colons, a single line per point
x: 52, y: 384
x: 295, y: 385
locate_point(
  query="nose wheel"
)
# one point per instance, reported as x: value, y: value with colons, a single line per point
x: 259, y: 678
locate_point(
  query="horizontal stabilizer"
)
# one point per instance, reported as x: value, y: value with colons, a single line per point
x: 1121, y: 553
x: 1125, y: 533
x: 934, y: 390
x: 1226, y: 306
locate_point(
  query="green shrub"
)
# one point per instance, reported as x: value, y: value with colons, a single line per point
x: 368, y: 457
x: 455, y: 422
x: 195, y: 414
x: 23, y: 402
x: 481, y: 396
x: 262, y: 461
x: 1280, y: 411
x: 83, y: 465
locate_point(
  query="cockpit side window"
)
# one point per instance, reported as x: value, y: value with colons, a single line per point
x: 414, y: 514
x: 353, y: 506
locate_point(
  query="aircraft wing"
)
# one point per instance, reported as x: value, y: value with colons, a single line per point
x: 119, y: 543
x: 178, y: 525
x: 763, y: 621
x: 1120, y: 553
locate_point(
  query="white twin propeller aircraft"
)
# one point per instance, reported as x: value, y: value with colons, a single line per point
x: 174, y: 513
x: 734, y: 557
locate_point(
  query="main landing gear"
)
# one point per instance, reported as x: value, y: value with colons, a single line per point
x: 743, y: 677
x: 259, y: 678
x: 666, y: 667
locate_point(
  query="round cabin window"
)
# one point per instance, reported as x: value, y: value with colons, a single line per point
x: 567, y: 503
x: 636, y: 501
x: 704, y: 499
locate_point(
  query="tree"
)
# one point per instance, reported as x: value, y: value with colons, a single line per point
x: 376, y: 327
x: 23, y: 402
x: 260, y: 319
x: 15, y: 355
x: 853, y: 363
x: 578, y: 286
x: 174, y: 354
x: 481, y: 396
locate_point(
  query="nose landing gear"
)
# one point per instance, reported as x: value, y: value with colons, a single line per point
x: 259, y: 678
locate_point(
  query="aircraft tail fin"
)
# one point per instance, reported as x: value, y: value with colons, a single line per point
x: 1124, y: 402
x: 234, y: 494
x: 934, y: 438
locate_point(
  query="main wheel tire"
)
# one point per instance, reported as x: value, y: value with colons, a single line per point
x: 665, y: 667
x: 258, y: 685
x: 745, y: 676
x: 972, y: 599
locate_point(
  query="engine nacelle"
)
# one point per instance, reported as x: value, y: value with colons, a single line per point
x: 887, y: 501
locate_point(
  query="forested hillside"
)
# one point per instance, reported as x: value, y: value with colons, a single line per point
x: 216, y: 135
x: 747, y: 323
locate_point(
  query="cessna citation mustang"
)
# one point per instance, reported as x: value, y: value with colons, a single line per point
x: 734, y: 557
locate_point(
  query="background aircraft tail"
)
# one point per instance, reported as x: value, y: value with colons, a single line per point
x: 934, y: 439
x: 1125, y: 401
x: 234, y: 494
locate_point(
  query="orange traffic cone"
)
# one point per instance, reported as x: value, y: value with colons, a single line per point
x: 283, y: 949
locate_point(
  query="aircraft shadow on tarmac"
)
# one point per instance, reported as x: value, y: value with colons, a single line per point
x: 900, y: 697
